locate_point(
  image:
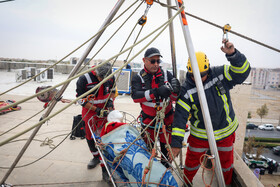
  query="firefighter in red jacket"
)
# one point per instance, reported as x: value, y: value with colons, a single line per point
x: 94, y: 110
x: 217, y: 82
x: 149, y: 88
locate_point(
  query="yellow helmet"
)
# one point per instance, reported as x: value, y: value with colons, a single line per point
x: 202, y: 60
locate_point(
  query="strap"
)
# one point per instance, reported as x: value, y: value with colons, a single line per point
x: 145, y: 80
x: 218, y: 84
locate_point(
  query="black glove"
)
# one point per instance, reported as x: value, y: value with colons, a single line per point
x: 175, y: 85
x: 110, y: 103
x: 100, y: 112
x: 164, y: 91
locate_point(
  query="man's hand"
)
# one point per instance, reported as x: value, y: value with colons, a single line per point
x: 228, y: 47
x: 175, y: 152
x: 175, y: 85
x: 110, y: 104
x: 164, y: 91
x: 100, y: 112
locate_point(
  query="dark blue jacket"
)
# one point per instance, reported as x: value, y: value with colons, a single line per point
x: 217, y: 91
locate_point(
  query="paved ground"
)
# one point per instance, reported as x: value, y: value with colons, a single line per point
x: 66, y: 165
x: 262, y: 133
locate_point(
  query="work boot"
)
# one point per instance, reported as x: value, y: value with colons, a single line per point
x: 93, y: 163
x: 106, y: 177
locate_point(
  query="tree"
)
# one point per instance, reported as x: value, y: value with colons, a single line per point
x: 248, y: 145
x: 259, y: 151
x: 263, y: 111
x: 249, y: 115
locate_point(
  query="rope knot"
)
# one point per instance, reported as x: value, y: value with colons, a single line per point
x: 48, y: 142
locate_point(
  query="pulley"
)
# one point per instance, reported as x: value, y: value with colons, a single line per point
x: 149, y: 2
x: 143, y: 19
x: 226, y: 29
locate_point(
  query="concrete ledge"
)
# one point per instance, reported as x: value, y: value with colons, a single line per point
x: 243, y: 176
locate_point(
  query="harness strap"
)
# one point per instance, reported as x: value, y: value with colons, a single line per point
x: 88, y: 78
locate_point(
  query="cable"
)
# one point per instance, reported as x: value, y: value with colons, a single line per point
x: 221, y: 27
x: 5, y: 1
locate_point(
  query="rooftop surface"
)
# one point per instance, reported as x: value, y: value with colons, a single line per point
x: 67, y: 164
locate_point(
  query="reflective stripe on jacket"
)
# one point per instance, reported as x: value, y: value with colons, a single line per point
x: 221, y: 111
x: 143, y: 89
x: 87, y: 82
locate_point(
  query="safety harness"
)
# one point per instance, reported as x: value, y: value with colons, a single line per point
x: 146, y: 82
x: 220, y: 133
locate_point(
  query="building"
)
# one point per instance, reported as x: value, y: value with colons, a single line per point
x: 263, y: 78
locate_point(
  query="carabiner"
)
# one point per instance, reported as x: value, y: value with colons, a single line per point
x: 226, y: 29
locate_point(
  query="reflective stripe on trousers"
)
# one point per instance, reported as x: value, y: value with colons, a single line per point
x: 198, y: 147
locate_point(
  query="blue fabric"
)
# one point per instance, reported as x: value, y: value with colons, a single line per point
x: 132, y: 166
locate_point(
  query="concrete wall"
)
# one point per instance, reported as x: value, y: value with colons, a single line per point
x: 61, y: 68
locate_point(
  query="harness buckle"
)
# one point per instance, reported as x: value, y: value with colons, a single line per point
x: 157, y: 106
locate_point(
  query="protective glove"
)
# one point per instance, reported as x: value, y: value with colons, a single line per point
x: 110, y: 103
x: 175, y: 85
x: 164, y: 91
x: 101, y: 113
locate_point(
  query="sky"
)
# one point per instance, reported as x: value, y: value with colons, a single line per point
x: 51, y: 29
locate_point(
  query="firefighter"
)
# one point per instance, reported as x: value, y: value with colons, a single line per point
x: 149, y: 88
x: 217, y: 82
x: 94, y: 110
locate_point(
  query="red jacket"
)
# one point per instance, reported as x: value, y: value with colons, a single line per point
x: 88, y: 81
x: 143, y: 92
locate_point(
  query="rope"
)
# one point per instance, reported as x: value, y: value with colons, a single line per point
x: 203, y: 161
x: 84, y: 182
x: 98, y: 85
x: 5, y: 1
x: 181, y: 174
x: 22, y: 122
x: 53, y: 147
x: 114, y: 32
x: 48, y: 142
x: 56, y: 183
x: 221, y: 27
x: 91, y: 69
x: 166, y: 24
x: 101, y: 30
x: 120, y: 50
